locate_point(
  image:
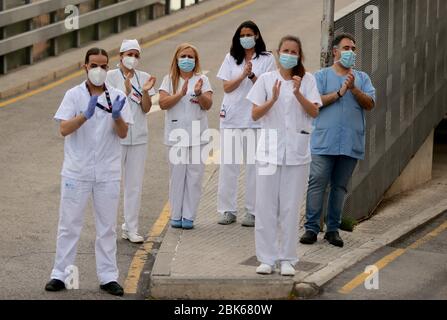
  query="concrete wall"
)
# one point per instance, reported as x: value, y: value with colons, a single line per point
x: 418, y: 170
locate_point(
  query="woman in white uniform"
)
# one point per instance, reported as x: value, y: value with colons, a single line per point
x: 93, y: 117
x: 247, y: 60
x: 138, y: 86
x: 285, y: 101
x: 186, y: 95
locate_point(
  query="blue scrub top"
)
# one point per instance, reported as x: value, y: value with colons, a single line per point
x: 339, y: 129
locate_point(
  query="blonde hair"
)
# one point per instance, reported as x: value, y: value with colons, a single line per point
x: 175, y: 70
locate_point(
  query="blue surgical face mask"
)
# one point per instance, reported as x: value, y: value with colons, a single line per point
x: 288, y: 61
x: 248, y: 42
x: 347, y: 59
x: 186, y: 64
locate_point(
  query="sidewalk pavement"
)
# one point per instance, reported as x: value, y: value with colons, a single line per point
x: 53, y: 68
x: 218, y: 262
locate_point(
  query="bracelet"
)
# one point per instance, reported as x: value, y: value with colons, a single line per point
x: 339, y: 94
x: 251, y: 76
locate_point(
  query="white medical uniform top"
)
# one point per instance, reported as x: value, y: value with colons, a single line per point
x: 292, y: 124
x: 235, y: 111
x: 185, y: 112
x: 138, y: 133
x: 93, y: 152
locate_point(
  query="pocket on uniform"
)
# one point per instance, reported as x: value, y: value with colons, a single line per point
x: 358, y: 141
x: 302, y: 140
x: 70, y: 189
x: 319, y: 139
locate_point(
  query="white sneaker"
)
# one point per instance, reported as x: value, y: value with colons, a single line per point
x: 264, y: 269
x: 132, y: 237
x: 287, y: 269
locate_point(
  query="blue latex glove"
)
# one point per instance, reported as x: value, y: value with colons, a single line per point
x: 117, y: 106
x: 91, y: 107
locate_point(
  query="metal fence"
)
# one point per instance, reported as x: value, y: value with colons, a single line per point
x: 406, y: 58
x: 33, y: 30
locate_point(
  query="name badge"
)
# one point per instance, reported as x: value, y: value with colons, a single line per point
x: 223, y: 113
x: 135, y: 97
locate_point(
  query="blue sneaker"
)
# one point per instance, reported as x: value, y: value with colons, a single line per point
x: 176, y: 223
x: 187, y: 224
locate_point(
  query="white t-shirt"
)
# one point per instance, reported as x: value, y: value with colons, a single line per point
x: 138, y: 133
x: 93, y: 152
x: 186, y: 116
x: 287, y: 118
x: 235, y: 111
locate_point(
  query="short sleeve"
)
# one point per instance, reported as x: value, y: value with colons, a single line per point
x: 367, y: 86
x: 225, y: 69
x: 257, y: 93
x: 320, y: 77
x: 166, y: 85
x: 312, y: 94
x: 271, y: 65
x: 206, y: 84
x: 66, y: 109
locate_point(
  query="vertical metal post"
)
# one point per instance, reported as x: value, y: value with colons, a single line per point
x: 97, y: 28
x: 327, y: 32
x: 3, y: 68
x: 327, y: 35
x: 54, y: 48
x: 167, y: 7
x: 29, y: 50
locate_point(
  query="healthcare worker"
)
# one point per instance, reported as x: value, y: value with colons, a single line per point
x: 93, y: 117
x: 139, y: 88
x: 247, y: 60
x: 285, y: 101
x: 186, y: 95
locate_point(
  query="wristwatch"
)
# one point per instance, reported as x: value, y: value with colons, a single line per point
x: 251, y: 76
x: 339, y: 94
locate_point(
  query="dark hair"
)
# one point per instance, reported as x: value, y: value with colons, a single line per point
x: 237, y: 51
x: 299, y: 69
x: 95, y: 51
x: 340, y: 37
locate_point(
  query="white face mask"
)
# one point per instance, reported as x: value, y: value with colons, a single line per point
x: 130, y: 62
x: 97, y: 76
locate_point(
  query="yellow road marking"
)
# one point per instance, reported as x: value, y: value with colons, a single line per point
x: 145, y: 45
x: 382, y: 263
x: 140, y: 257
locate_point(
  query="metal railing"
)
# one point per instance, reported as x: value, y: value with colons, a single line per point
x: 406, y: 58
x: 48, y: 35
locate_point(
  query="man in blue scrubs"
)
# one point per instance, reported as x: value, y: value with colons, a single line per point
x: 338, y: 141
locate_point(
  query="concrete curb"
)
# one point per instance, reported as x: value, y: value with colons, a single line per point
x: 70, y: 68
x: 311, y: 285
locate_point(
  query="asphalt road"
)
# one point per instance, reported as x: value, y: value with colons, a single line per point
x: 31, y: 153
x: 418, y: 273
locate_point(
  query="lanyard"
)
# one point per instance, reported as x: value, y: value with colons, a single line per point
x: 109, y: 102
x: 138, y: 81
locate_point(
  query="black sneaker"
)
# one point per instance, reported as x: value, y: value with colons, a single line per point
x: 113, y: 288
x: 309, y: 237
x: 334, y: 238
x: 55, y: 285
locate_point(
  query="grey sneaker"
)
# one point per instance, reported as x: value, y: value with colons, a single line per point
x: 227, y: 218
x: 249, y: 220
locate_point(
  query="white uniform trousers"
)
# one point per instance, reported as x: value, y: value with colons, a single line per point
x: 229, y: 172
x: 185, y: 182
x: 74, y: 198
x: 133, y: 163
x: 279, y: 197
